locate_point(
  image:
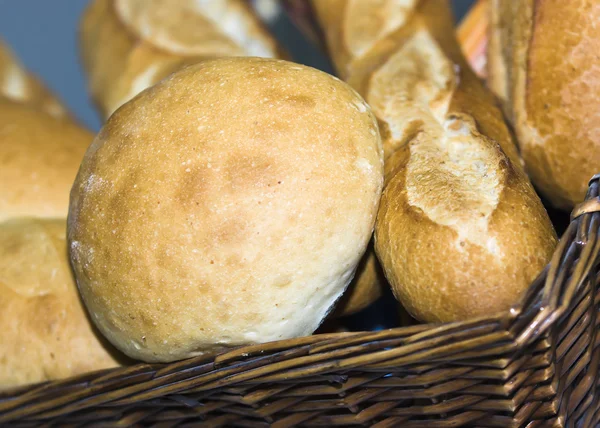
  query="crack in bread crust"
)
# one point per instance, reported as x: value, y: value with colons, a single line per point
x: 448, y: 155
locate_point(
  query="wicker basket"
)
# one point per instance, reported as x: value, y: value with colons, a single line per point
x: 536, y: 365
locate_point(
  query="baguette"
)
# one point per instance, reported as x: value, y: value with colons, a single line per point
x: 460, y: 230
x: 19, y: 85
x: 543, y: 63
x: 129, y: 45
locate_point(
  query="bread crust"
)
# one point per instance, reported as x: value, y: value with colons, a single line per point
x: 45, y: 332
x: 122, y: 58
x: 39, y: 158
x: 460, y: 231
x: 228, y: 204
x: 544, y: 65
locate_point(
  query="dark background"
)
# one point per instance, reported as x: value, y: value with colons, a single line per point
x: 43, y: 34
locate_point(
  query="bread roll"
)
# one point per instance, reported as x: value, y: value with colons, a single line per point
x: 460, y: 231
x: 44, y: 330
x: 39, y: 158
x: 229, y: 204
x: 19, y: 85
x: 543, y: 62
x: 128, y: 45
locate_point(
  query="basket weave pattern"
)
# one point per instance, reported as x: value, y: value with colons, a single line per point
x: 536, y: 365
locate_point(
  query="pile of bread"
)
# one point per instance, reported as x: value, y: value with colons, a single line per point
x: 234, y: 197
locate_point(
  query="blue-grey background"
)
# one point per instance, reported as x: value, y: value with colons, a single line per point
x: 43, y: 34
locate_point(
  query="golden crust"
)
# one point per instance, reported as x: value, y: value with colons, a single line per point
x: 354, y: 27
x: 544, y: 65
x: 236, y: 196
x: 19, y: 85
x: 128, y: 46
x: 45, y: 332
x: 39, y: 158
x: 460, y: 231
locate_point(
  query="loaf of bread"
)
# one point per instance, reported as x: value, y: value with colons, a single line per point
x: 228, y: 204
x: 543, y: 63
x: 129, y: 45
x: 44, y: 330
x: 19, y: 85
x: 460, y: 231
x: 39, y: 158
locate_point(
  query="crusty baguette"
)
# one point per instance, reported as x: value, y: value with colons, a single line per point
x: 460, y: 231
x: 128, y: 45
x: 543, y: 62
x: 19, y: 85
x: 471, y: 31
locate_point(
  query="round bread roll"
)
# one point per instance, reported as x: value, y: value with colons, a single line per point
x: 129, y: 45
x: 19, y: 85
x: 44, y: 330
x: 39, y: 158
x: 227, y: 205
